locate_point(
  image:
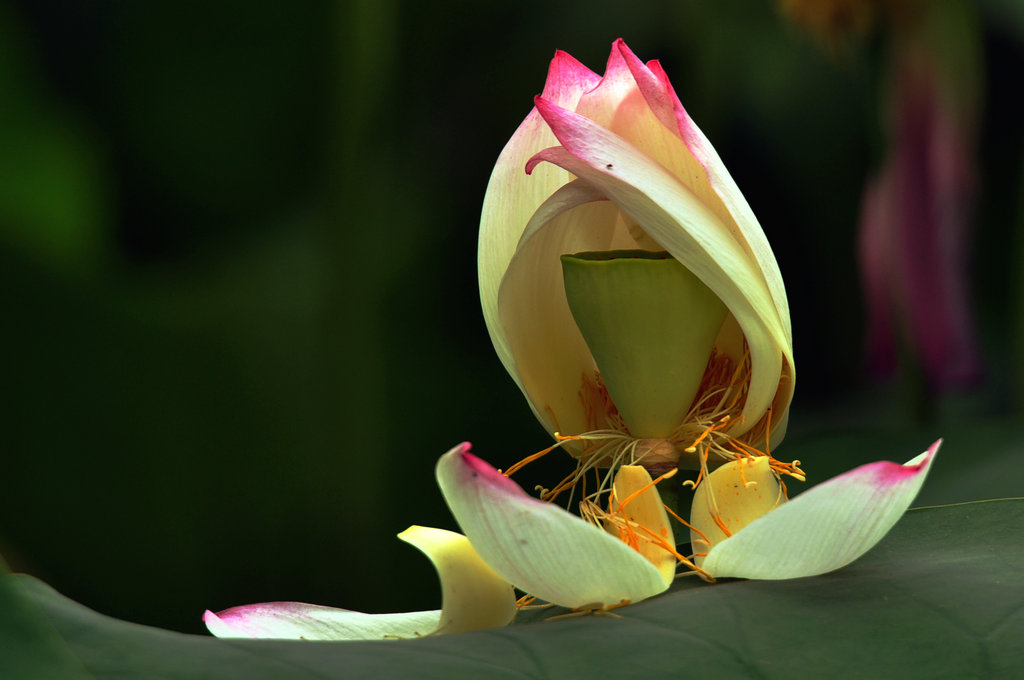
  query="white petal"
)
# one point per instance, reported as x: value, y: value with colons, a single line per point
x: 300, y: 621
x: 538, y: 546
x: 512, y: 196
x: 824, y: 528
x: 550, y: 354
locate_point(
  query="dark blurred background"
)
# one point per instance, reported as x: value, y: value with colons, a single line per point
x: 238, y: 262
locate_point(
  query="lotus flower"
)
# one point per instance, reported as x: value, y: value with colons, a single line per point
x: 614, y: 165
x: 633, y: 297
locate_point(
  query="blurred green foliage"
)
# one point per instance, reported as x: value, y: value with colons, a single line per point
x: 237, y: 250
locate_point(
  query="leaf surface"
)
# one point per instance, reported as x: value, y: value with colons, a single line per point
x: 942, y: 596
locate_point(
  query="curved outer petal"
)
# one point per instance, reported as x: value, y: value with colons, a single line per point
x: 824, y: 528
x: 512, y: 196
x: 550, y: 354
x: 473, y: 596
x: 538, y: 546
x: 686, y: 227
x: 716, y: 186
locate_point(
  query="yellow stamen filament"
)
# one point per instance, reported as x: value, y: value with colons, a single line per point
x: 594, y: 610
x: 692, y: 448
x: 686, y: 524
x: 743, y: 479
x: 537, y: 456
x: 668, y: 475
x: 718, y: 521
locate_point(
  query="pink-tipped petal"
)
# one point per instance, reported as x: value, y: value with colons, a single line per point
x: 713, y: 184
x: 473, y: 597
x: 538, y: 546
x: 568, y: 79
x: 685, y: 226
x: 604, y: 102
x: 513, y: 196
x: 824, y: 528
x: 300, y: 621
x: 655, y: 90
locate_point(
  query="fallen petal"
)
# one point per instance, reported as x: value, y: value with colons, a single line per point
x: 538, y: 546
x: 473, y: 597
x: 300, y: 621
x: 824, y: 528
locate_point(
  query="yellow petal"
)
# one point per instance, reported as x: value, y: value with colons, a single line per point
x: 473, y: 596
x: 729, y: 499
x: 643, y: 508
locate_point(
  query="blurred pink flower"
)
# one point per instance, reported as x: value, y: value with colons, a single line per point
x: 916, y: 221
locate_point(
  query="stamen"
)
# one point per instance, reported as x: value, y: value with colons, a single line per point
x: 537, y: 456
x: 607, y: 445
x: 592, y: 610
x: 692, y: 448
x: 663, y: 544
x: 632, y: 533
x: 721, y: 525
x: 743, y: 479
x: 568, y: 482
x: 668, y: 475
x: 687, y: 524
x: 734, y: 382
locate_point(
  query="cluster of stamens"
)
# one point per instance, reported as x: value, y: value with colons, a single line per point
x: 703, y: 439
